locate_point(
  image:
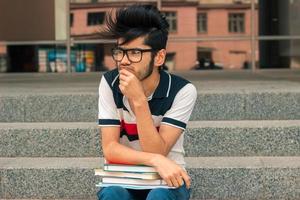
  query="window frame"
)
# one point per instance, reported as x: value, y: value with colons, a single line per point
x: 172, y: 20
x: 236, y: 22
x: 93, y: 22
x: 202, y: 22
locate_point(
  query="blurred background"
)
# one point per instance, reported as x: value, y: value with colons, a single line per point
x: 61, y: 35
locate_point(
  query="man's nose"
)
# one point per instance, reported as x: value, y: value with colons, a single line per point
x: 125, y: 60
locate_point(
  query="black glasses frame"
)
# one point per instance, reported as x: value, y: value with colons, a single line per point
x: 125, y: 51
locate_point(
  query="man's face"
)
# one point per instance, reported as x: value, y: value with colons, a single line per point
x: 140, y: 65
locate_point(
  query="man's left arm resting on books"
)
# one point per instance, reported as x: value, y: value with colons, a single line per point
x: 113, y: 151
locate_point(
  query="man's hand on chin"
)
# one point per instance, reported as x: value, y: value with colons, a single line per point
x: 130, y: 85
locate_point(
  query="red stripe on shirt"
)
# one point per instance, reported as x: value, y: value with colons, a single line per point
x: 131, y: 129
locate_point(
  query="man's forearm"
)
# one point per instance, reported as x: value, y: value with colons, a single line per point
x: 116, y: 152
x: 150, y: 139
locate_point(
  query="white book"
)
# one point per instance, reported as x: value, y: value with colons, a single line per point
x: 135, y: 187
x: 150, y: 175
x: 127, y: 168
x: 131, y: 181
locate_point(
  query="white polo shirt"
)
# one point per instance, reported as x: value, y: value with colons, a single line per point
x: 171, y: 103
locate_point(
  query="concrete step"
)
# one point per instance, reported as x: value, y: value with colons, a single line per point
x: 203, y: 138
x: 211, y: 105
x: 223, y: 95
x: 212, y: 177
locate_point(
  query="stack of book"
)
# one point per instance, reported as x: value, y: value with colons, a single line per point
x: 130, y: 176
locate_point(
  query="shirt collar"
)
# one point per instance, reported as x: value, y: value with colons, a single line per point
x: 115, y: 83
x: 162, y: 90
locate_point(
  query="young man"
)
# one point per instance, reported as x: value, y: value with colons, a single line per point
x: 144, y: 110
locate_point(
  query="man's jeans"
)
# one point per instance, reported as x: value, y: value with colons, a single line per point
x: 119, y: 193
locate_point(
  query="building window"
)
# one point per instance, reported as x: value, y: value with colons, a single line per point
x: 95, y: 18
x: 71, y: 19
x: 202, y: 22
x: 171, y: 17
x: 236, y: 22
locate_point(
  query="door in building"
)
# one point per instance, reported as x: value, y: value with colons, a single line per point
x: 22, y: 58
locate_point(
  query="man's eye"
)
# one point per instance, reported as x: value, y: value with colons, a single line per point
x: 118, y: 52
x: 134, y: 52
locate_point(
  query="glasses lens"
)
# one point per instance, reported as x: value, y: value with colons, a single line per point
x: 134, y: 55
x: 117, y: 54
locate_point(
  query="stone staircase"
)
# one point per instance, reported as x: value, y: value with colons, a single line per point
x: 243, y: 141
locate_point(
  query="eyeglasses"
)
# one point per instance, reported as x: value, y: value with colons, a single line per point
x: 133, y: 55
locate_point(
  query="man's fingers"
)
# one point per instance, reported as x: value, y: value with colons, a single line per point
x: 175, y: 182
x: 125, y: 72
x: 123, y: 83
x: 180, y: 180
x: 123, y: 77
x: 186, y: 179
x: 169, y: 182
x: 124, y: 80
x: 121, y: 88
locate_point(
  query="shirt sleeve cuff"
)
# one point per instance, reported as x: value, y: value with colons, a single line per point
x: 108, y: 122
x: 174, y: 122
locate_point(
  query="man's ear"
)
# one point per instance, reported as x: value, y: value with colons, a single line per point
x: 160, y: 57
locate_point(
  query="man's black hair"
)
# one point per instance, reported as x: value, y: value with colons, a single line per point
x: 136, y: 21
